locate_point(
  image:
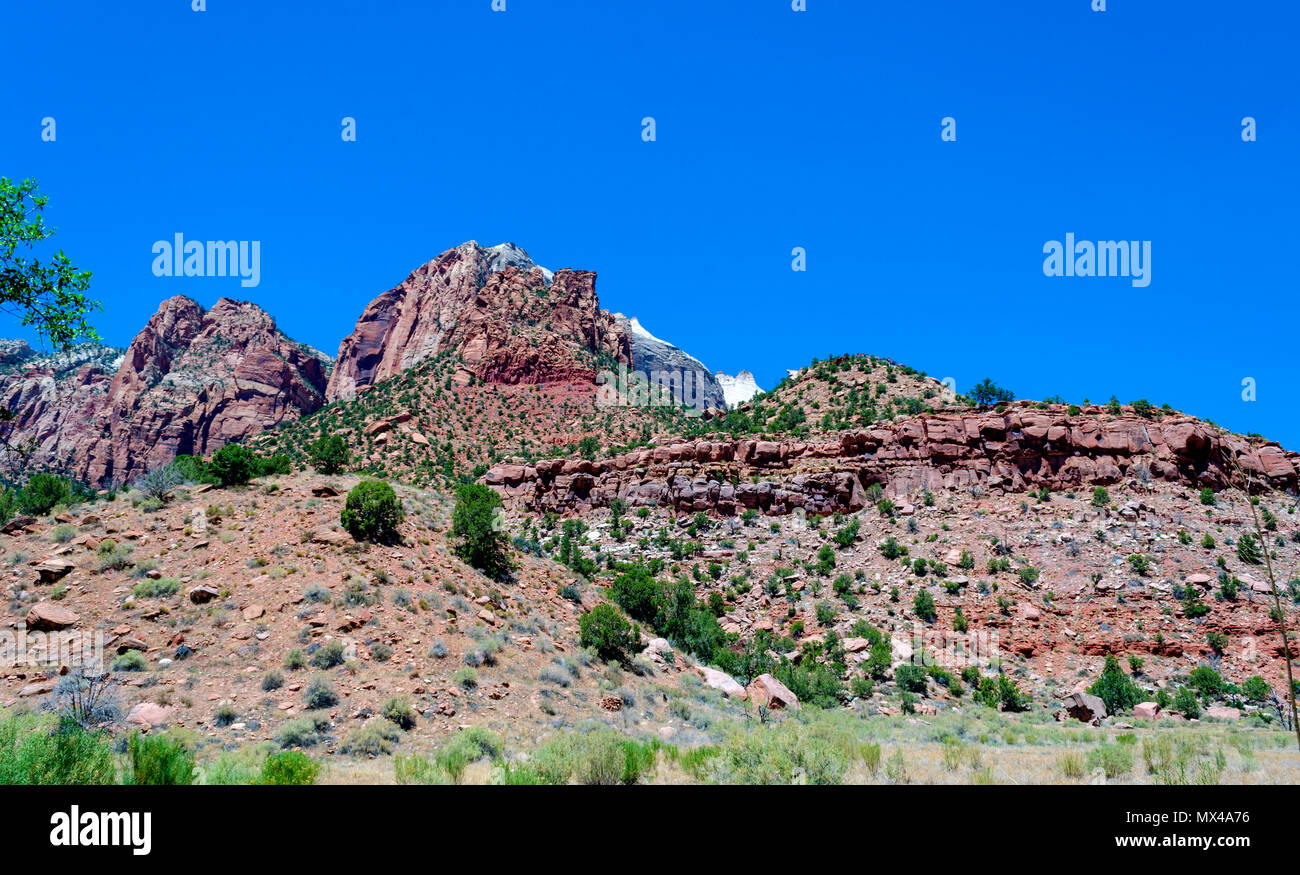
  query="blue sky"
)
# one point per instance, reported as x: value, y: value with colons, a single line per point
x: 775, y: 129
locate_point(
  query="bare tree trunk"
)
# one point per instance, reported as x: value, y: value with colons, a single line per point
x: 1280, y: 614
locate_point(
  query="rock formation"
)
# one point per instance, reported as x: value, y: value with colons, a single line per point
x: 738, y: 389
x: 1019, y: 449
x: 191, y: 381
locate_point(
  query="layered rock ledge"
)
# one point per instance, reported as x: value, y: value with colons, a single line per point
x: 1022, y: 448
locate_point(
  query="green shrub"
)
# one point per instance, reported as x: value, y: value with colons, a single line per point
x: 911, y: 678
x: 1255, y: 688
x: 31, y: 752
x: 1206, y: 681
x: 372, y: 512
x: 289, y: 769
x: 400, y: 711
x: 373, y: 738
x: 467, y: 746
x: 923, y: 605
x: 607, y: 631
x: 233, y: 465
x: 302, y: 732
x: 320, y: 693
x: 1248, y: 550
x: 193, y: 470
x: 1186, y: 703
x: 153, y: 589
x: 328, y: 655
x: 132, y: 660
x: 1114, y: 760
x: 158, y: 760
x: 43, y: 492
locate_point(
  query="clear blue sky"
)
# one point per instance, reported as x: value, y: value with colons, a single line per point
x: 775, y: 129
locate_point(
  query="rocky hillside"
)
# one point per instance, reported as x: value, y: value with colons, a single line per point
x: 503, y: 318
x: 842, y: 392
x: 191, y: 381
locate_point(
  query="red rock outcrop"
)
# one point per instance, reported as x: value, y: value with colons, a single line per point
x: 1021, y: 448
x: 191, y: 381
x: 508, y: 321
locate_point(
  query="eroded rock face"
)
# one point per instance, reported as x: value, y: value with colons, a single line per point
x: 507, y: 319
x: 1019, y: 449
x: 191, y: 381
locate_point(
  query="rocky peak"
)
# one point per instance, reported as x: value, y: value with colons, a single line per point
x: 507, y: 319
x: 738, y: 389
x: 660, y: 360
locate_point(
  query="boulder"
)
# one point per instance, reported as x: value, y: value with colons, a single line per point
x: 722, y: 681
x: 49, y: 617
x: 767, y: 692
x: 200, y: 594
x: 1085, y: 707
x: 54, y: 569
x: 149, y: 714
x: 1145, y: 711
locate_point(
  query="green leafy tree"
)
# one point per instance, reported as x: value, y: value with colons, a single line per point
x: 47, y: 296
x: 988, y: 393
x: 233, y: 465
x: 329, y: 454
x: 479, y: 539
x: 1115, y: 688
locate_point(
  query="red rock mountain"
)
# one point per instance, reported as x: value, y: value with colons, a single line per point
x: 191, y: 381
x: 505, y: 318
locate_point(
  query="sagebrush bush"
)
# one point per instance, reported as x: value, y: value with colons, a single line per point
x: 375, y: 737
x: 328, y: 655
x: 400, y: 711
x: 320, y: 693
x: 158, y: 760
x: 289, y: 769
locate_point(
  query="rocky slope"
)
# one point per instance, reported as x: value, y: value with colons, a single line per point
x: 506, y: 320
x: 191, y: 381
